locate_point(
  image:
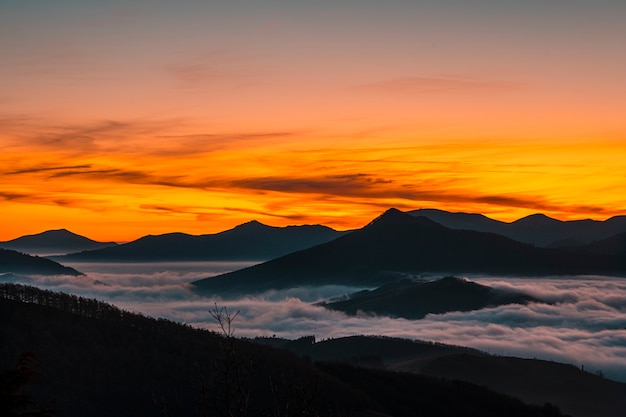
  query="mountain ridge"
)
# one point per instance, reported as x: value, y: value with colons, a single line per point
x: 537, y: 229
x: 13, y: 262
x: 53, y: 242
x: 252, y: 240
x: 414, y: 300
x: 397, y: 243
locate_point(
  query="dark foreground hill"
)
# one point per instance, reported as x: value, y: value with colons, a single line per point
x: 20, y: 263
x: 578, y: 393
x: 537, y: 229
x: 413, y: 300
x: 96, y: 360
x: 54, y: 242
x: 246, y: 242
x: 397, y: 244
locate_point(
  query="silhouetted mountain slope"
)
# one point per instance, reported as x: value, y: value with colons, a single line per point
x: 579, y: 393
x: 371, y: 351
x: 395, y: 244
x: 537, y: 229
x: 565, y: 243
x: 410, y: 395
x: 536, y: 381
x: 413, y: 300
x: 248, y: 241
x: 97, y: 360
x: 20, y: 263
x: 53, y: 242
x: 614, y: 245
x: 462, y: 221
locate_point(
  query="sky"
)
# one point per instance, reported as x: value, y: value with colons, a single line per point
x: 125, y: 118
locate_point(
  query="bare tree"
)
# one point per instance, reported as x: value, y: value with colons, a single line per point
x: 227, y: 389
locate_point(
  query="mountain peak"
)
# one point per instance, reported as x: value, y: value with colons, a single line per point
x: 389, y: 214
x: 58, y: 232
x: 54, y: 242
x: 252, y: 224
x: 395, y: 217
x: 537, y: 218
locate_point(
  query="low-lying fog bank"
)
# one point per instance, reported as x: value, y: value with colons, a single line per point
x: 584, y: 324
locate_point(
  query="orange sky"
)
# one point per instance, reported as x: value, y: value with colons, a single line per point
x: 122, y: 120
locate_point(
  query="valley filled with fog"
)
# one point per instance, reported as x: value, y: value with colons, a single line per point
x: 582, y: 322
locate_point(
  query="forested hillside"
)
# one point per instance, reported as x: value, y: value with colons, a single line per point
x: 97, y: 360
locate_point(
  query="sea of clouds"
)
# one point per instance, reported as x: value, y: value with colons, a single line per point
x: 583, y: 321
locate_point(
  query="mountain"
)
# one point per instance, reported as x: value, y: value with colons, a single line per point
x: 414, y: 300
x: 370, y: 351
x: 538, y: 229
x: 19, y: 263
x: 248, y: 241
x: 462, y: 221
x: 93, y: 359
x: 53, y: 242
x: 613, y: 245
x: 576, y: 392
x: 397, y: 244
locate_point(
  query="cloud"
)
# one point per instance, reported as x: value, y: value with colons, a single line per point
x: 47, y: 169
x: 96, y: 137
x: 125, y: 138
x: 9, y: 196
x: 269, y: 213
x: 584, y: 324
x: 245, y: 163
x: 193, y: 144
x: 438, y: 190
x: 217, y: 69
x: 349, y: 184
x: 44, y: 198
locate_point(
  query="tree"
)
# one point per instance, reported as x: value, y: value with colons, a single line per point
x: 13, y: 402
x: 227, y: 389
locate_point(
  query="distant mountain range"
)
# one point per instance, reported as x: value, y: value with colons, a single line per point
x: 397, y: 245
x: 258, y: 242
x: 19, y: 263
x: 414, y: 300
x: 537, y: 229
x: 248, y: 241
x: 53, y: 242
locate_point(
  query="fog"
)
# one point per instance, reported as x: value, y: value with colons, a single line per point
x: 583, y: 321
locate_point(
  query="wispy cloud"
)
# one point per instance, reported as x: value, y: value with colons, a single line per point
x: 437, y: 190
x: 10, y: 196
x: 217, y: 69
x: 346, y: 184
x: 275, y: 174
x: 146, y: 137
x: 48, y: 169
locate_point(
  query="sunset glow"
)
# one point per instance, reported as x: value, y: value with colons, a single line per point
x: 121, y: 119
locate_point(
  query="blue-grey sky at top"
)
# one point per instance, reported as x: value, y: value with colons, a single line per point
x: 393, y: 33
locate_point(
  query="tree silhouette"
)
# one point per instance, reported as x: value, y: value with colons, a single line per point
x: 13, y: 402
x: 228, y: 389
